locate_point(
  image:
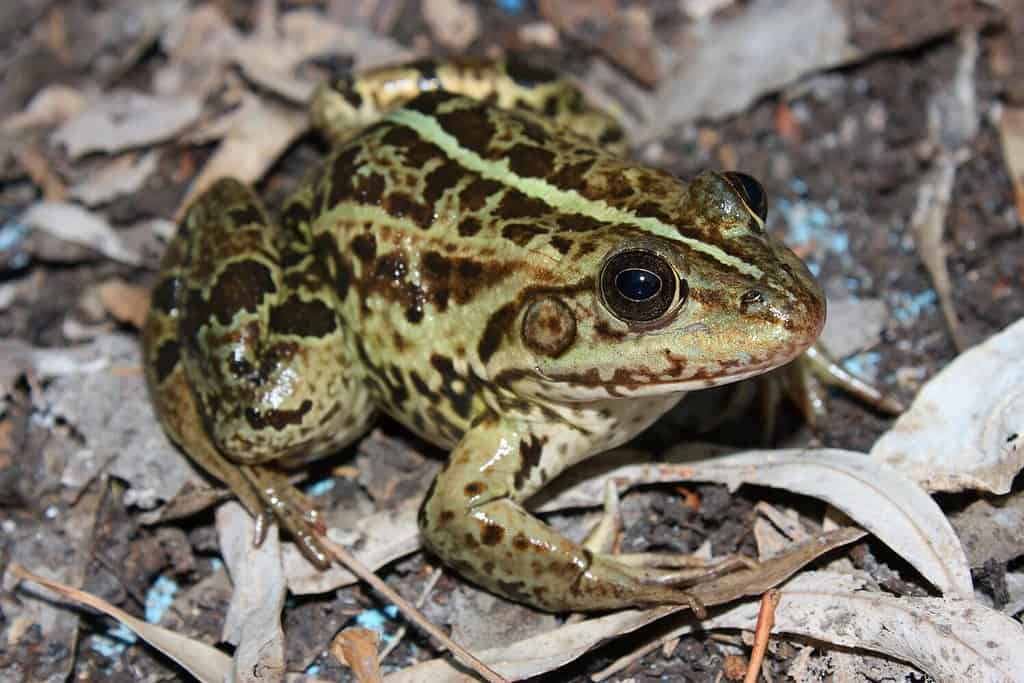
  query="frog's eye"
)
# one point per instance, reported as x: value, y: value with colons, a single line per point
x: 640, y: 286
x: 751, y: 191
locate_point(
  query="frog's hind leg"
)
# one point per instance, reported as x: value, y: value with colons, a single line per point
x: 246, y: 354
x: 472, y: 518
x: 348, y: 104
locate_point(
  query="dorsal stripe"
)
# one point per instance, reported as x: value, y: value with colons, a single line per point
x: 569, y: 201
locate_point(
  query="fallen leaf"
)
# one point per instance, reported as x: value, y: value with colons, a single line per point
x: 1011, y: 134
x: 48, y: 107
x: 948, y: 639
x: 127, y: 303
x: 455, y: 24
x: 253, y: 621
x: 125, y: 120
x: 122, y: 176
x: 356, y: 648
x: 965, y: 428
x: 549, y: 651
x: 38, y: 168
x: 881, y: 499
x: 260, y: 132
x: 206, y: 663
x: 72, y: 223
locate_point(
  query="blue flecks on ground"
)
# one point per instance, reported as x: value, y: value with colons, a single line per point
x: 798, y: 186
x: 112, y: 643
x: 319, y: 488
x: 376, y: 619
x: 811, y: 224
x: 513, y: 6
x: 909, y: 307
x: 159, y: 597
x: 11, y: 234
x: 864, y: 364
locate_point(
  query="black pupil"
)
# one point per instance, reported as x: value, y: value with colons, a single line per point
x: 637, y: 284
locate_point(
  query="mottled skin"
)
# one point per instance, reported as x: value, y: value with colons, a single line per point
x: 461, y: 267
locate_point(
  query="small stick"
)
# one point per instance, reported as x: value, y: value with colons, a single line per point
x: 765, y: 621
x: 420, y: 601
x: 413, y: 614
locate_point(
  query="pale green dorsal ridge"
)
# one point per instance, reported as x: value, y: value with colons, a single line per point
x: 429, y: 129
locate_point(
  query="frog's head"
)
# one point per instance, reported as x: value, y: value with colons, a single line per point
x: 689, y: 296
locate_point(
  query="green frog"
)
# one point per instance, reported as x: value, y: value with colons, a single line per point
x: 477, y: 259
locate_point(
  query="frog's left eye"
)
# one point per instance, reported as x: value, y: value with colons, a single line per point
x: 751, y: 191
x: 640, y: 286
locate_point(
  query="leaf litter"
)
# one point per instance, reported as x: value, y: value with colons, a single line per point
x: 95, y: 393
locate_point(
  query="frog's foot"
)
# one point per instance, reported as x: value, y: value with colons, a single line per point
x: 472, y: 519
x: 817, y: 362
x: 289, y: 507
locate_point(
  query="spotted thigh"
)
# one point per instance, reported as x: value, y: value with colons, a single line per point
x: 259, y: 337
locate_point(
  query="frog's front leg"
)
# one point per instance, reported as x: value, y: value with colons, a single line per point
x: 473, y: 519
x: 246, y: 355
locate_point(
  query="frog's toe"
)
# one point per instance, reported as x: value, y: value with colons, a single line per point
x: 293, y: 511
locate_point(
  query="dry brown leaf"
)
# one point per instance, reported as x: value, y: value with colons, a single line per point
x: 72, y: 223
x: 127, y: 303
x: 549, y: 651
x: 455, y: 24
x: 253, y: 621
x: 881, y: 499
x: 206, y: 663
x: 124, y: 175
x: 52, y: 105
x: 1011, y: 133
x: 260, y: 133
x: 356, y: 648
x: 125, y: 120
x: 39, y: 169
x: 965, y: 428
x: 625, y: 37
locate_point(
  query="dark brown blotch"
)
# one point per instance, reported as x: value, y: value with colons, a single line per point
x: 469, y: 226
x: 530, y: 450
x: 167, y: 356
x: 475, y: 195
x: 303, y: 318
x: 528, y: 75
x: 520, y: 234
x: 471, y: 126
x: 401, y: 205
x: 495, y: 330
x: 277, y: 418
x: 365, y: 247
x: 578, y: 222
x: 247, y: 214
x: 530, y: 161
x: 491, y: 534
x: 163, y: 297
x: 515, y: 205
x: 241, y: 286
x: 474, y: 488
x: 443, y: 177
x: 521, y: 542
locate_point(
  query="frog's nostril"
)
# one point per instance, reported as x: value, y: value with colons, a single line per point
x: 749, y: 298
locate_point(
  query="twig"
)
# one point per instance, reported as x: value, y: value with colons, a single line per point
x: 420, y: 601
x: 765, y: 621
x: 414, y: 615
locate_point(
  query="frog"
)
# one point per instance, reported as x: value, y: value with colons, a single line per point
x: 477, y: 258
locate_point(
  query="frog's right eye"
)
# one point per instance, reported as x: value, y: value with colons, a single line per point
x: 640, y: 286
